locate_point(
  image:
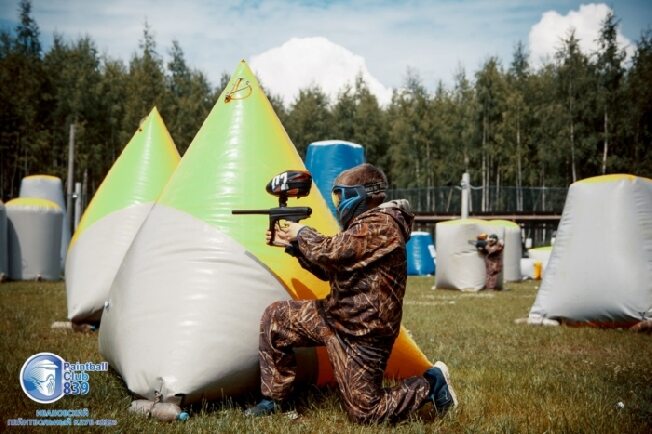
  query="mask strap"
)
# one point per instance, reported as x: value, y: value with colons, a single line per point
x: 378, y: 187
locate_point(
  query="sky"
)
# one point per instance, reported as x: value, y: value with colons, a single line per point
x: 292, y: 44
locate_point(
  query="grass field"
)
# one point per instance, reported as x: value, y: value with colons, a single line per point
x: 509, y: 378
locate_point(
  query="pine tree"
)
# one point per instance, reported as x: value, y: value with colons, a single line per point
x: 112, y: 92
x: 637, y: 156
x: 74, y: 73
x: 464, y: 131
x: 409, y: 134
x: 309, y: 119
x: 188, y: 99
x: 344, y: 115
x: 517, y: 117
x: 357, y: 117
x: 27, y: 32
x: 610, y: 76
x: 369, y: 124
x: 491, y: 94
x: 145, y: 85
x: 574, y: 93
x: 24, y: 90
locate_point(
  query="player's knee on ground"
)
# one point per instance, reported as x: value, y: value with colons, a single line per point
x: 362, y: 408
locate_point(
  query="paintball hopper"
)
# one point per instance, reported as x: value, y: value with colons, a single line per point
x: 291, y: 183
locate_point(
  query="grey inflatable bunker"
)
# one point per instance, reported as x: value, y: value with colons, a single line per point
x: 600, y: 268
x: 34, y: 235
x: 459, y: 264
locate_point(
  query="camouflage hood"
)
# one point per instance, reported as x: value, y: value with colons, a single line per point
x: 401, y: 212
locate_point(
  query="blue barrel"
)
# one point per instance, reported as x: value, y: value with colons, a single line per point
x: 420, y: 254
x: 325, y: 160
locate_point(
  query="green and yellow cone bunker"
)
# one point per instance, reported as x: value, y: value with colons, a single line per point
x: 184, y: 312
x: 114, y: 216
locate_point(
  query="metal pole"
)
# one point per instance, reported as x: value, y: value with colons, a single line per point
x: 466, y: 186
x: 69, y: 180
x: 78, y: 203
x: 84, y: 190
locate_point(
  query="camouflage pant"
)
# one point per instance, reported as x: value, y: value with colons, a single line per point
x: 491, y: 281
x: 358, y: 364
x: 493, y: 269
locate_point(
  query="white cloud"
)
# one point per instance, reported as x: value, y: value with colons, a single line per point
x: 546, y: 36
x: 303, y: 62
x: 432, y: 38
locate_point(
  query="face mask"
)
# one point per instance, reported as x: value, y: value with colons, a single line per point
x: 351, y: 200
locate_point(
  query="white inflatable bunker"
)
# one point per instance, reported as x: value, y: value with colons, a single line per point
x: 527, y: 269
x: 4, y: 253
x: 600, y: 269
x: 459, y: 264
x: 34, y: 239
x: 50, y: 188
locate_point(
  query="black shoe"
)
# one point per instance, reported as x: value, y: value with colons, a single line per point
x: 441, y: 394
x: 264, y: 408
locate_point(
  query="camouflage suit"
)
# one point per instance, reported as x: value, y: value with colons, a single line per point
x: 493, y: 260
x: 357, y: 322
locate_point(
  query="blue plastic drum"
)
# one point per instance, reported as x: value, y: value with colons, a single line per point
x: 420, y: 254
x: 325, y: 160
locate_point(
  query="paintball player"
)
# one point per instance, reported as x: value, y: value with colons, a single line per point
x: 492, y: 250
x: 360, y: 318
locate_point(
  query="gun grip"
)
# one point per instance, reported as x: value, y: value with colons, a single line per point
x: 272, y: 230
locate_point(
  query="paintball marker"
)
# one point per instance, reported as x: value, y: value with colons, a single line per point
x: 478, y: 244
x: 291, y: 183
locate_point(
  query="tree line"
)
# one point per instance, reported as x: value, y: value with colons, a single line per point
x: 578, y: 115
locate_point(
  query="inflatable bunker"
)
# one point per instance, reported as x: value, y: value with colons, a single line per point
x: 600, y: 268
x: 459, y: 264
x: 50, y: 188
x: 112, y: 219
x: 34, y: 239
x: 182, y: 320
x: 513, y: 250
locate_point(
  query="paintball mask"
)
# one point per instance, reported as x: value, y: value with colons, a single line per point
x: 351, y: 200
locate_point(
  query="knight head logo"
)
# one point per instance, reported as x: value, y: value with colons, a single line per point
x: 42, y: 377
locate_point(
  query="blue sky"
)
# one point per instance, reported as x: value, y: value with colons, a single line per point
x: 434, y: 38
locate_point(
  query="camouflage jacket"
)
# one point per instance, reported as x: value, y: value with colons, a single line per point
x: 366, y: 268
x: 493, y: 257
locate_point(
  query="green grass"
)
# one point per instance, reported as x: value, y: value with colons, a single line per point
x: 509, y: 378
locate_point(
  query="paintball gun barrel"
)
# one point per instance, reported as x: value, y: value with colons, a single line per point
x: 291, y: 183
